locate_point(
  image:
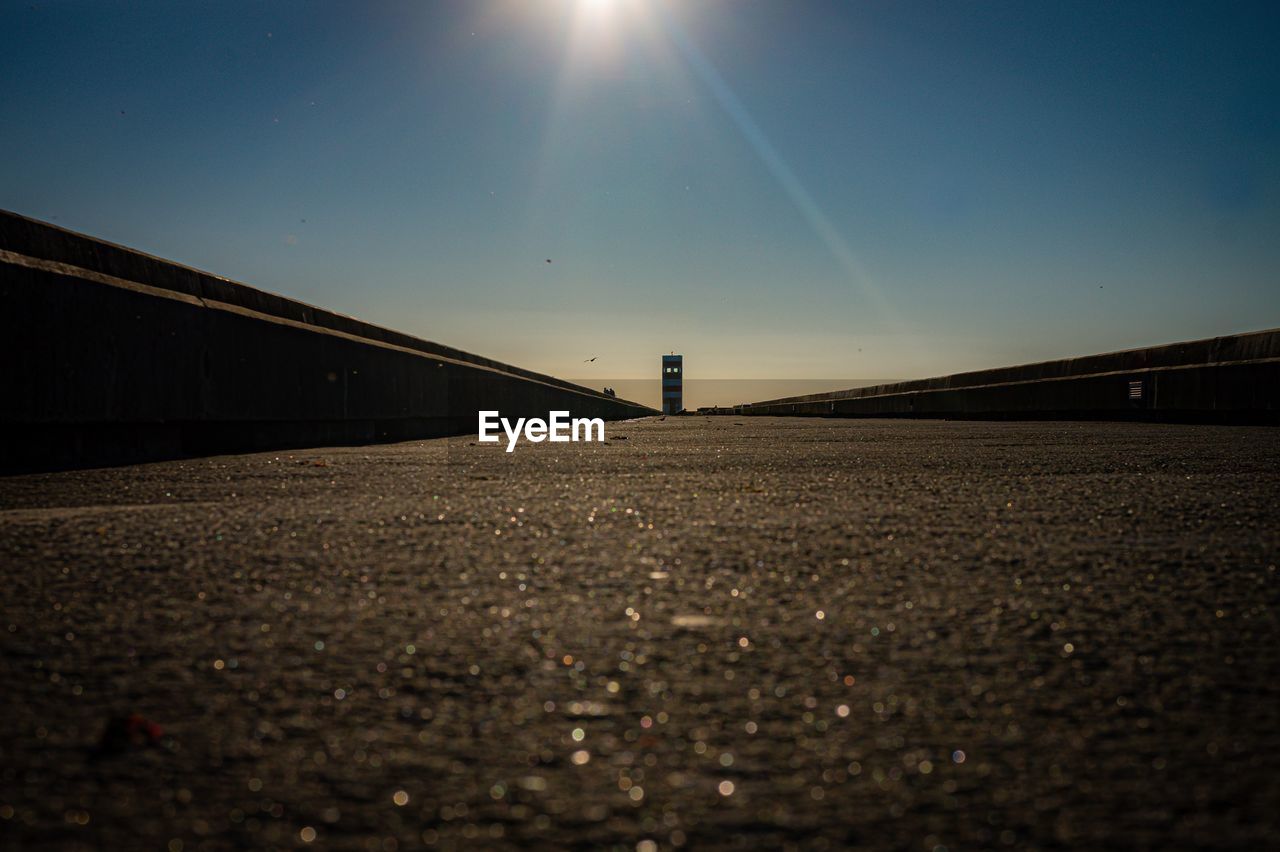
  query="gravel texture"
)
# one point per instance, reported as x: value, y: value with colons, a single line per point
x: 718, y: 632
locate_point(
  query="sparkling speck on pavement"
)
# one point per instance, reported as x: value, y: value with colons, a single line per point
x: 719, y: 632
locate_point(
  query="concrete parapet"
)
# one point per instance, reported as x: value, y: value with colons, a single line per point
x: 1223, y: 379
x: 111, y: 355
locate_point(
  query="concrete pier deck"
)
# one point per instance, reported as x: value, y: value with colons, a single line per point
x: 716, y: 633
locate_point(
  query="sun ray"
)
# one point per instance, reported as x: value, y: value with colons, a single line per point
x: 778, y: 168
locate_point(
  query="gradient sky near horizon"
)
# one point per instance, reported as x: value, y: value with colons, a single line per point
x: 774, y: 188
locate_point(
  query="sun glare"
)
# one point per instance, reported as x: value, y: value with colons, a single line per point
x: 602, y: 29
x: 605, y: 13
x: 598, y: 14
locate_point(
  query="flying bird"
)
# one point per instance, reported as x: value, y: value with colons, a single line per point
x: 588, y: 360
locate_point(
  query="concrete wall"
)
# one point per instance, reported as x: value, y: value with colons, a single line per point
x: 1222, y: 379
x: 110, y: 355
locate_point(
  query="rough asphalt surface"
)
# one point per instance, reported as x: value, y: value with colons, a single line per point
x: 739, y: 633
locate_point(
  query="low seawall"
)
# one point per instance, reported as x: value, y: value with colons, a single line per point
x: 114, y: 356
x: 1232, y: 379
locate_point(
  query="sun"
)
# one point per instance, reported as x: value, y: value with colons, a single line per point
x: 601, y: 29
x: 597, y: 10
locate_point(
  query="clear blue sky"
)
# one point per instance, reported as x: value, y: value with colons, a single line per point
x: 775, y: 189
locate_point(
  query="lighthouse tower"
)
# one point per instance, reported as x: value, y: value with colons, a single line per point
x: 672, y: 384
